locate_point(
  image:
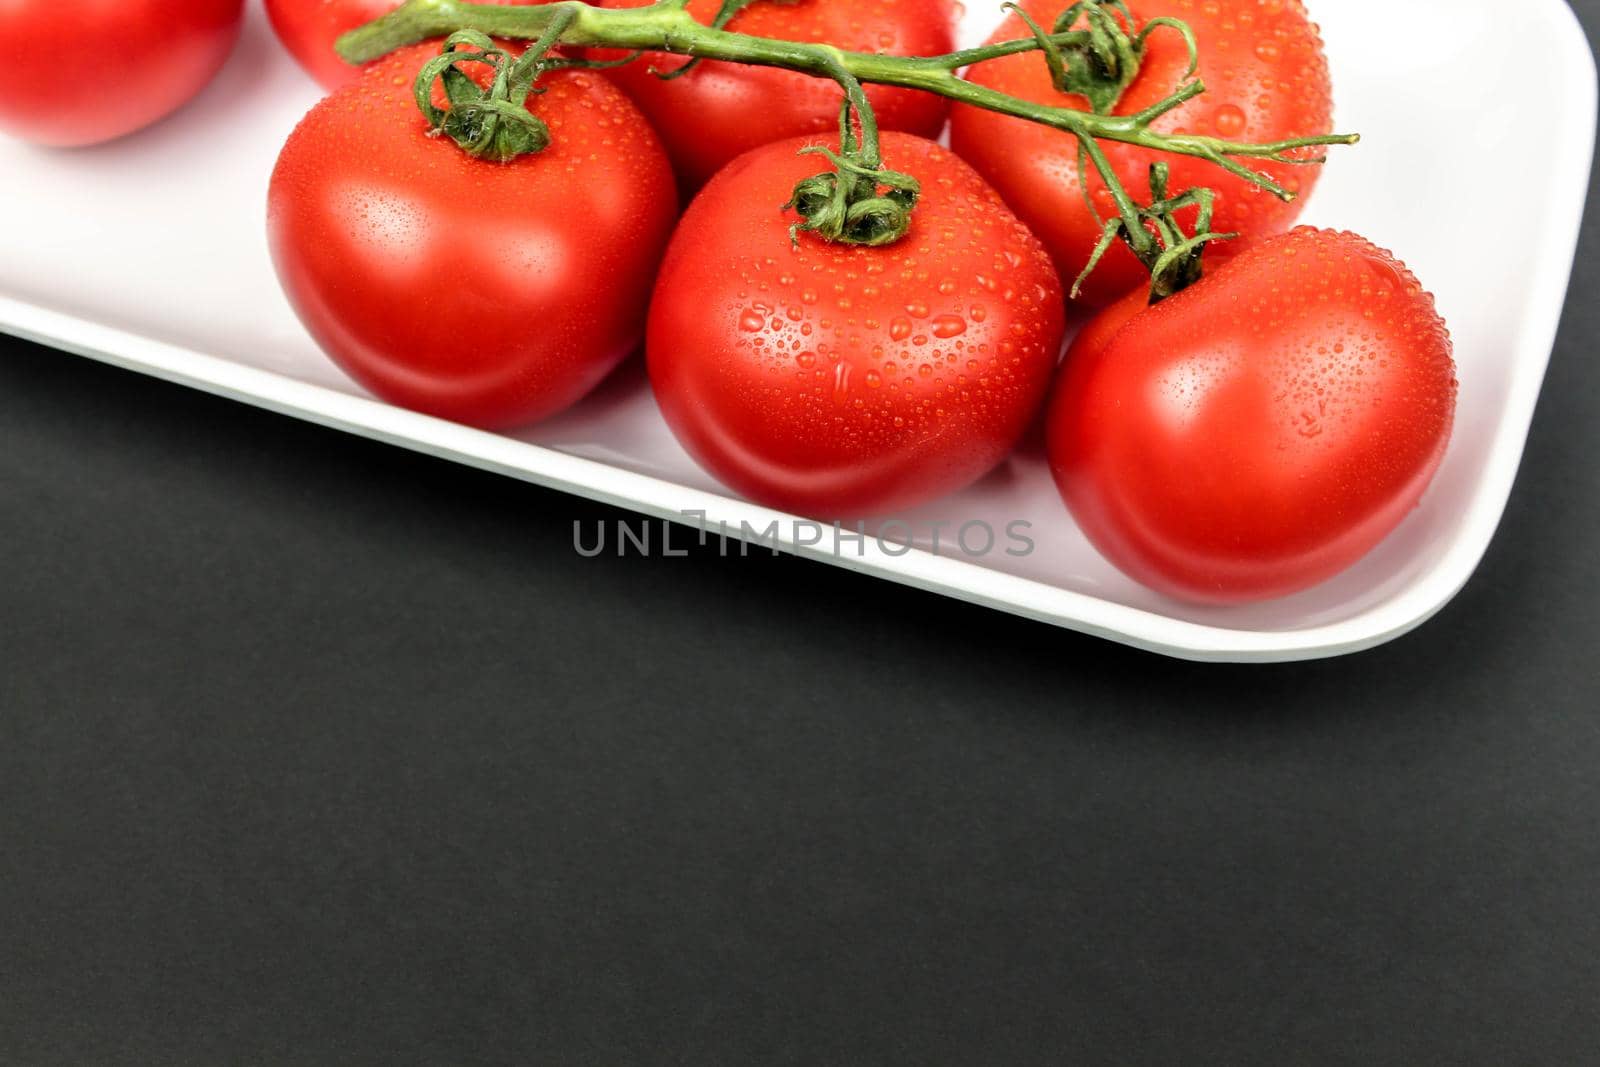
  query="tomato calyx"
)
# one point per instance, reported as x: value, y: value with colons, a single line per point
x: 853, y: 204
x: 860, y: 201
x: 494, y: 123
x: 1100, y: 61
x: 1173, y: 257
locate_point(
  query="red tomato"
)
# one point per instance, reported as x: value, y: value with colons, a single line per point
x: 832, y: 379
x: 1263, y: 429
x: 490, y: 293
x: 720, y: 110
x: 308, y: 29
x: 1266, y: 80
x: 79, y: 72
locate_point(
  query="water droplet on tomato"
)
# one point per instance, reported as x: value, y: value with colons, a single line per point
x: 1229, y: 120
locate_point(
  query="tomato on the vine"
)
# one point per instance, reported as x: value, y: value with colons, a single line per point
x: 142, y: 60
x: 719, y: 110
x: 834, y: 379
x: 308, y: 29
x: 489, y: 293
x: 1266, y: 79
x: 1263, y: 429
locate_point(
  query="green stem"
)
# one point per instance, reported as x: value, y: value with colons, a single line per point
x: 967, y: 57
x: 526, y: 69
x: 871, y: 156
x: 667, y: 27
x: 1143, y: 244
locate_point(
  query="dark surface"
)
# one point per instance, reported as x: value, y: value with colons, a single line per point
x: 315, y: 751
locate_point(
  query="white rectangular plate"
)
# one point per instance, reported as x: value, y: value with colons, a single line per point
x: 150, y: 253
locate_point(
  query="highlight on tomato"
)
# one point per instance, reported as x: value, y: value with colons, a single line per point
x: 308, y: 29
x: 1261, y: 430
x: 144, y: 60
x: 708, y: 112
x: 850, y: 355
x: 1266, y: 79
x: 494, y: 291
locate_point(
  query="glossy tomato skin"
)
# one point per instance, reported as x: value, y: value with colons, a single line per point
x: 308, y: 29
x: 720, y: 110
x: 153, y: 54
x: 1266, y: 79
x: 834, y: 380
x: 1261, y: 431
x: 491, y: 294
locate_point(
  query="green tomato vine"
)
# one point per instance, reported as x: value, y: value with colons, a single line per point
x: 1093, y: 49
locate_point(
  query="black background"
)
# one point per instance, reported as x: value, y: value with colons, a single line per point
x: 316, y: 751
